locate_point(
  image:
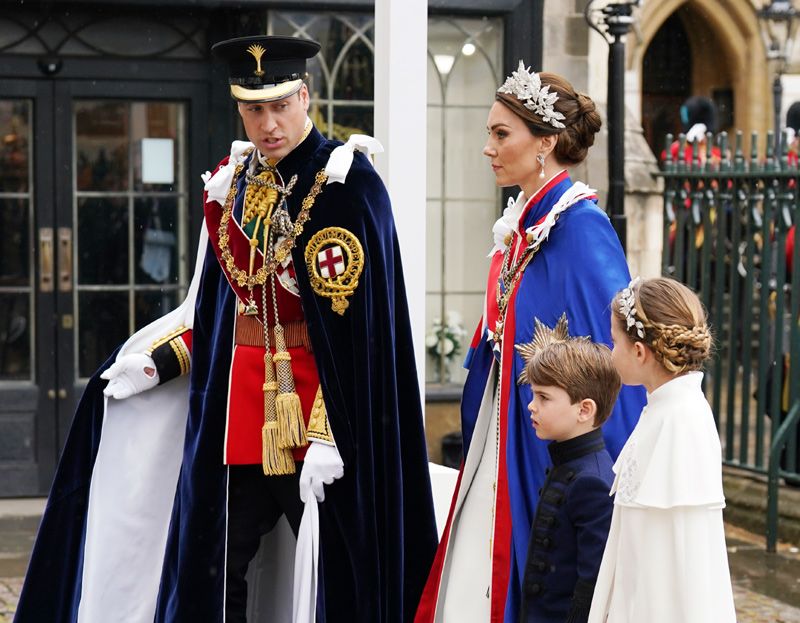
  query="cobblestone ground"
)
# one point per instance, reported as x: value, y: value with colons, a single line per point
x: 749, y: 562
x: 751, y: 607
x: 9, y: 594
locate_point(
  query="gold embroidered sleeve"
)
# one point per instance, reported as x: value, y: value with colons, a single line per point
x: 318, y: 427
x: 172, y: 354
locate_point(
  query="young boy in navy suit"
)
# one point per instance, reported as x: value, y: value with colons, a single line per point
x: 574, y: 388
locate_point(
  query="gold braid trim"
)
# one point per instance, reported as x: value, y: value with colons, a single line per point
x: 284, y: 248
x: 510, y: 276
x: 318, y: 427
x: 276, y: 460
x: 510, y: 284
x: 163, y: 340
x: 181, y: 354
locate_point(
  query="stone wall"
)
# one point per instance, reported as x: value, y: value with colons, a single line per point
x: 575, y: 51
x: 643, y: 203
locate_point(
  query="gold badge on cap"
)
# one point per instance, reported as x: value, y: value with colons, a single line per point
x: 257, y: 51
x: 334, y: 259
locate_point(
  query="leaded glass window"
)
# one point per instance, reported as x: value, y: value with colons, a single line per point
x: 464, y: 69
x: 341, y: 75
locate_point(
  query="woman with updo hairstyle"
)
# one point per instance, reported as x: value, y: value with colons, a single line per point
x: 554, y: 252
x: 581, y: 119
x: 665, y: 559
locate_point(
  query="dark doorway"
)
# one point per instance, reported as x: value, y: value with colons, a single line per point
x: 666, y: 82
x: 94, y: 202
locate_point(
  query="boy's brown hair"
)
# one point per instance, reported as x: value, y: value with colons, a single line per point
x: 581, y: 368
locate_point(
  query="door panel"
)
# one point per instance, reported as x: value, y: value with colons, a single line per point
x: 16, y: 220
x: 130, y: 216
x: 94, y: 214
x: 27, y: 370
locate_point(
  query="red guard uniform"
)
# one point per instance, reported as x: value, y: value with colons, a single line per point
x: 245, y: 409
x: 246, y: 398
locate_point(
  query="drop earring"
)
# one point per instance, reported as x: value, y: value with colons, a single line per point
x: 540, y: 160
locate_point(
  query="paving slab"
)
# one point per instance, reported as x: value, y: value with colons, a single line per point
x: 766, y: 587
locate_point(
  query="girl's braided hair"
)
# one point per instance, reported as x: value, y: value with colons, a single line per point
x: 673, y: 322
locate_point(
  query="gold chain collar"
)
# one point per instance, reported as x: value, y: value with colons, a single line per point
x: 283, y: 249
x: 510, y: 276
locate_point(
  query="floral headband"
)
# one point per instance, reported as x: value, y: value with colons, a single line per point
x: 527, y: 87
x: 627, y: 307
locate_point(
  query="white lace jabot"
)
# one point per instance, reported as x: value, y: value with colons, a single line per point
x: 509, y: 222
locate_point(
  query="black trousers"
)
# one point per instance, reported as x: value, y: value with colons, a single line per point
x: 255, y: 504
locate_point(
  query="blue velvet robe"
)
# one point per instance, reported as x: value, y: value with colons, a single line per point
x: 578, y: 270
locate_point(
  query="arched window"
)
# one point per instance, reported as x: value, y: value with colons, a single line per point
x: 341, y: 75
x: 464, y: 69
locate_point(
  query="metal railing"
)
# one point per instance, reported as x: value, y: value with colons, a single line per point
x: 728, y: 233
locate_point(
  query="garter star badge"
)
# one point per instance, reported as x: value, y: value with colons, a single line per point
x: 334, y: 259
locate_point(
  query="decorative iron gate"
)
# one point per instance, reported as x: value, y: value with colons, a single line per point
x: 729, y: 229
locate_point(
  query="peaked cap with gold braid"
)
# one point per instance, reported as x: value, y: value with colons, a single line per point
x: 265, y: 68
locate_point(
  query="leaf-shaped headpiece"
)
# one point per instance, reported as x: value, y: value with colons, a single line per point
x: 543, y: 336
x: 627, y: 307
x: 527, y: 87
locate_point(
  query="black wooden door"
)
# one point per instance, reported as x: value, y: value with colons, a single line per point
x: 96, y: 183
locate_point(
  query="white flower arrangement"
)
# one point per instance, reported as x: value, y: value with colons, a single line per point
x: 446, y: 338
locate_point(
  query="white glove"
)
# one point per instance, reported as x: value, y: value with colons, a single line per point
x: 696, y: 133
x: 129, y: 375
x: 321, y: 466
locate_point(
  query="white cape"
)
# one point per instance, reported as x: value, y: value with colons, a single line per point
x: 665, y: 559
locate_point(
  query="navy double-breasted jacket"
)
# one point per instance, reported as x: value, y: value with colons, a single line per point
x: 569, y: 532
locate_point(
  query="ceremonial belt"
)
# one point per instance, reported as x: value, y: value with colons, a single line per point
x: 250, y: 332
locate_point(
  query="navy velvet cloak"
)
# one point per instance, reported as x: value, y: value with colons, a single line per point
x: 377, y: 528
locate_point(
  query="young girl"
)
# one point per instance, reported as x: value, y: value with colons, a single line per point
x: 665, y: 560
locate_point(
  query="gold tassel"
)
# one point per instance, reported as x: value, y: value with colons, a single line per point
x: 287, y: 403
x: 290, y: 420
x: 276, y: 460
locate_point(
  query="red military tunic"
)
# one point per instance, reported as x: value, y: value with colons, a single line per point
x: 245, y: 415
x: 245, y: 408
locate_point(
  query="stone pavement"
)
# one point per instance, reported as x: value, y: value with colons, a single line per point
x: 9, y: 594
x: 766, y: 587
x: 19, y: 520
x: 754, y: 607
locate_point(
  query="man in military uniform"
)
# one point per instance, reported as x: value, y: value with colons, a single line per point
x: 293, y: 358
